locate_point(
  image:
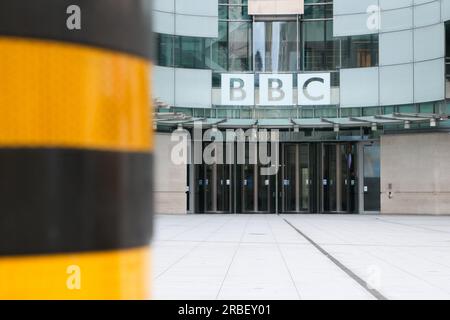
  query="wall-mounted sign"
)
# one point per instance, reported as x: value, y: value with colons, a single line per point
x: 314, y: 89
x: 276, y: 89
x: 238, y: 89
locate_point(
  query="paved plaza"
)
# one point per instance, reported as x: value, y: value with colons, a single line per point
x: 301, y: 257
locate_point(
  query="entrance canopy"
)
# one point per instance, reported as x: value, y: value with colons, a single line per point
x: 401, y: 119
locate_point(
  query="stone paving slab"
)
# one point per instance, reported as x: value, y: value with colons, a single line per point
x: 265, y: 257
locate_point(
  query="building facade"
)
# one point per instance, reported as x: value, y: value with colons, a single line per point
x: 347, y: 99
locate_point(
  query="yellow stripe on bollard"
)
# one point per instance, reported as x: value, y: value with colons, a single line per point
x: 121, y: 274
x: 76, y: 147
x: 66, y: 95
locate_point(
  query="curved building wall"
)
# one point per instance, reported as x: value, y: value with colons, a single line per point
x: 445, y: 11
x: 196, y: 18
x: 178, y: 20
x: 411, y: 50
x: 407, y: 68
x: 184, y: 18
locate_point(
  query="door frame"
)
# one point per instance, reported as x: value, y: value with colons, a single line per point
x: 298, y: 182
x: 361, y: 146
x: 322, y: 178
x: 257, y: 179
x: 340, y: 192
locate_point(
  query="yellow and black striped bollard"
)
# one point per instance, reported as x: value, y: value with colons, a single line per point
x: 75, y: 149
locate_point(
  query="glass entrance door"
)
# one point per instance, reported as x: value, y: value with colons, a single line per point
x: 339, y: 179
x: 213, y: 186
x: 248, y: 187
x: 257, y: 191
x: 313, y: 178
x: 349, y: 178
x: 223, y: 182
x: 371, y: 177
x: 329, y: 177
x: 295, y: 178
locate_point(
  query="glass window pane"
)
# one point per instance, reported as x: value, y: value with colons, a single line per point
x: 320, y: 50
x: 275, y: 46
x: 223, y: 12
x: 219, y: 54
x: 165, y: 50
x: 318, y: 11
x: 238, y: 13
x: 190, y: 52
x: 360, y: 51
x: 239, y: 46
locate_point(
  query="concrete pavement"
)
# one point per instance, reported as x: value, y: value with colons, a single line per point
x: 301, y: 257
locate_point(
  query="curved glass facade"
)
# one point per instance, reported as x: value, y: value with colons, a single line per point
x: 293, y: 43
x: 296, y: 44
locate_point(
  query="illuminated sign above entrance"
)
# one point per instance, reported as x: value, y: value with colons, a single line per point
x: 276, y: 89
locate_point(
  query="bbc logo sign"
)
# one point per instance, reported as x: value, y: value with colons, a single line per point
x: 276, y: 89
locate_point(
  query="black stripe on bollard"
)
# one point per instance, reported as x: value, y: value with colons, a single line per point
x: 69, y: 200
x: 121, y: 25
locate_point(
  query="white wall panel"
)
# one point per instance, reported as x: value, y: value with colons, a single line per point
x: 197, y: 26
x: 429, y: 81
x: 394, y: 4
x: 198, y: 7
x: 429, y: 42
x: 351, y: 6
x: 396, y: 84
x: 193, y: 88
x: 411, y: 51
x: 351, y: 25
x: 164, y: 5
x: 445, y: 4
x: 193, y: 18
x: 427, y: 14
x: 396, y: 20
x: 396, y: 47
x: 359, y: 87
x: 418, y: 2
x: 163, y: 84
x: 163, y: 22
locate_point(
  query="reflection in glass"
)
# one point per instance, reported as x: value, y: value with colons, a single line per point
x: 223, y: 187
x: 304, y: 178
x: 320, y: 50
x: 208, y: 184
x: 248, y: 187
x: 359, y: 51
x: 219, y: 55
x: 329, y: 178
x: 289, y: 178
x: 275, y: 46
x: 190, y: 52
x: 239, y: 46
x: 296, y: 178
x: 165, y: 49
x: 348, y: 178
x: 319, y: 11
